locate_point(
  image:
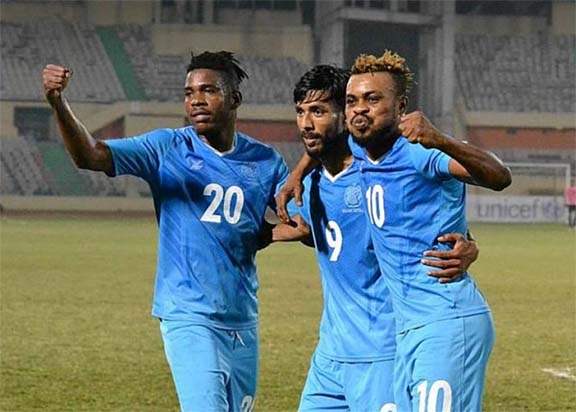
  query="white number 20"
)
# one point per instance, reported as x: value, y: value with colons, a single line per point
x: 334, y: 239
x: 232, y: 216
x: 247, y: 404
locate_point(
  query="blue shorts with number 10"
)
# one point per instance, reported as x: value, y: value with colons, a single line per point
x: 441, y: 366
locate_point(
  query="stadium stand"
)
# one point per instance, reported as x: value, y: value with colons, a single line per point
x: 271, y: 80
x: 22, y: 169
x: 26, y: 48
x: 28, y: 168
x: 528, y: 73
x: 495, y: 73
x: 102, y: 185
x: 290, y: 151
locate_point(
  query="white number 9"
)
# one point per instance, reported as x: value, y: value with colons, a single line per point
x: 334, y: 239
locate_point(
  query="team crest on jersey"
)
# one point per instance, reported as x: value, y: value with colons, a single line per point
x: 353, y: 197
x: 249, y: 171
x: 196, y: 164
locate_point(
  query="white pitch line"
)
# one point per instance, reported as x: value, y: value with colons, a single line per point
x: 564, y: 373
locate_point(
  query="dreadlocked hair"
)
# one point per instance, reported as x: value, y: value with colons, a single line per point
x: 389, y: 62
x: 223, y: 62
x: 323, y: 80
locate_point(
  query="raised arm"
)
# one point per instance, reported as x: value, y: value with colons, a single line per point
x: 293, y: 187
x: 86, y: 152
x: 469, y: 163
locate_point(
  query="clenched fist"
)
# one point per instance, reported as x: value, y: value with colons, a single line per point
x: 55, y: 79
x: 418, y: 129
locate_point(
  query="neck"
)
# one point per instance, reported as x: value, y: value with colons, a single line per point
x: 338, y: 159
x: 380, y: 145
x: 221, y: 140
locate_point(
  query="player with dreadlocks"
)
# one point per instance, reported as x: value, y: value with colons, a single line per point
x: 413, y: 179
x: 211, y: 186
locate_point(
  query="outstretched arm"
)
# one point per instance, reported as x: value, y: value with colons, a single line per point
x: 293, y: 187
x: 469, y: 163
x: 86, y: 152
x: 295, y: 230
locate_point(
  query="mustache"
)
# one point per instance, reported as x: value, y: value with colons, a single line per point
x: 310, y: 135
x: 360, y: 116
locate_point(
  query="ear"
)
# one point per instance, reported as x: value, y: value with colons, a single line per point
x: 403, y: 105
x: 236, y: 99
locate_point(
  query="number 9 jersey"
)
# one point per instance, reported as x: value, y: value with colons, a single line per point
x: 210, y: 209
x: 357, y: 321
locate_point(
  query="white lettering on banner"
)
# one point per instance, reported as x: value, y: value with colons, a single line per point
x: 515, y: 209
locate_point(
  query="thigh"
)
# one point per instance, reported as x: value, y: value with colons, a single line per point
x: 441, y: 366
x: 243, y: 360
x: 194, y: 355
x: 323, y: 389
x: 368, y: 386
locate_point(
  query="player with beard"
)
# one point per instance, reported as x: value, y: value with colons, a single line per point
x: 413, y: 179
x: 352, y: 366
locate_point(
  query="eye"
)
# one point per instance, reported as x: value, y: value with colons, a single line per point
x: 350, y: 101
x: 299, y: 112
x: 318, y: 112
x: 373, y: 99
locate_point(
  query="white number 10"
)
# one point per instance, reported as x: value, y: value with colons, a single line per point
x: 429, y: 396
x: 334, y: 239
x: 375, y: 203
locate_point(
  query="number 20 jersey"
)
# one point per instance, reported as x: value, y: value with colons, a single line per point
x: 210, y: 209
x: 357, y: 322
x: 412, y: 199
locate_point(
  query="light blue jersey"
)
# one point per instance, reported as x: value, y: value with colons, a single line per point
x: 411, y: 200
x: 445, y: 331
x: 210, y: 208
x: 357, y: 322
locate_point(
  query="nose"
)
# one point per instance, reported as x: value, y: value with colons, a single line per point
x: 306, y: 123
x: 360, y: 108
x: 197, y: 99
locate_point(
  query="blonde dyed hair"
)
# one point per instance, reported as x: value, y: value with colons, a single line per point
x: 389, y: 62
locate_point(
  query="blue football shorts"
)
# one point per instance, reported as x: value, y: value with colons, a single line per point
x: 214, y: 370
x: 441, y: 367
x: 348, y: 386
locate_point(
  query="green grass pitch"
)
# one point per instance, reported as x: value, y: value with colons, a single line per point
x: 76, y: 334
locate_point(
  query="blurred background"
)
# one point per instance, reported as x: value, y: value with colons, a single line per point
x: 499, y: 74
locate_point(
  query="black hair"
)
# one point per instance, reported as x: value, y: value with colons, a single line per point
x: 326, y: 79
x: 223, y: 62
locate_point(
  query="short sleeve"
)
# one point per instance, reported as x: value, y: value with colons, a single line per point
x: 432, y: 163
x: 140, y: 155
x: 282, y: 173
x: 304, y: 210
